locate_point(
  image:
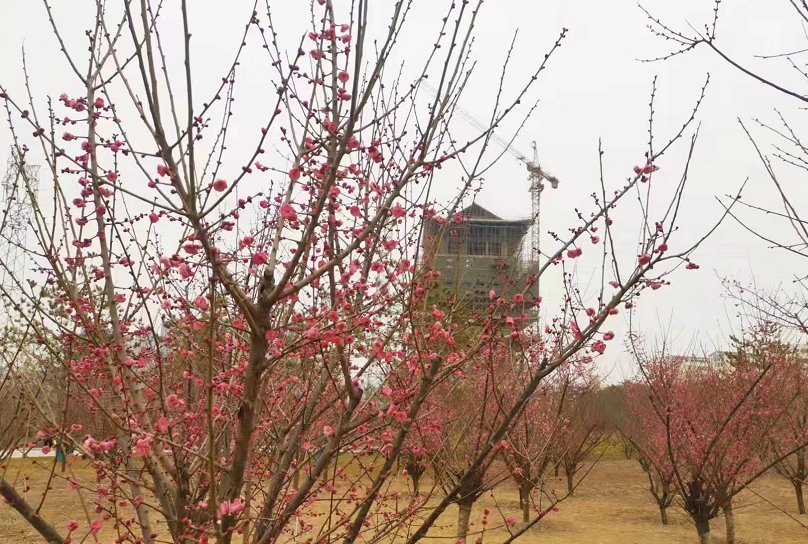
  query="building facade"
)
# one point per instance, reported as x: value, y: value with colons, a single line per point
x: 477, y: 255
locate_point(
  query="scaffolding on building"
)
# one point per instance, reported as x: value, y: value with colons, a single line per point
x: 479, y: 254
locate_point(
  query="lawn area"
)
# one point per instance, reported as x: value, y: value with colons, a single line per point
x: 612, y: 506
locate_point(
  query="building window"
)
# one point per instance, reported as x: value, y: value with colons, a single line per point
x: 485, y: 240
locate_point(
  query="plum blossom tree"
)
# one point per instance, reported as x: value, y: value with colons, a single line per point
x: 581, y: 431
x: 241, y: 321
x: 711, y: 422
x: 645, y: 435
x: 473, y: 405
x: 764, y: 343
x: 792, y: 432
x: 534, y: 440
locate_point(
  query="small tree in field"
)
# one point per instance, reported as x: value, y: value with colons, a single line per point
x: 643, y: 432
x: 660, y: 485
x: 710, y: 422
x: 581, y: 431
x: 533, y: 441
x: 766, y: 344
x: 792, y: 432
x: 247, y: 323
x: 473, y: 403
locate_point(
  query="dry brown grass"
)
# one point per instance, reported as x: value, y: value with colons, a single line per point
x: 612, y: 506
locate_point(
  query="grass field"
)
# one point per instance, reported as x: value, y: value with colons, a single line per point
x: 612, y: 506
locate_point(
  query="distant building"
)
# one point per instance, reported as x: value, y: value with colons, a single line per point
x: 716, y: 359
x: 479, y: 254
x: 720, y: 358
x: 688, y: 362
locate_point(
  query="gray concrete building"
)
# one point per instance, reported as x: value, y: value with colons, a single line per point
x: 481, y: 253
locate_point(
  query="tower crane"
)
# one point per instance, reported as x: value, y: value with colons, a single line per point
x: 18, y: 184
x: 536, y: 176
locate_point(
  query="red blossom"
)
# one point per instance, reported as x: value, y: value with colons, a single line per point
x: 143, y: 447
x: 174, y: 402
x: 162, y: 424
x: 288, y: 212
x: 398, y: 211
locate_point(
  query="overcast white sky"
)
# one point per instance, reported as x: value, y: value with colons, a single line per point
x: 594, y: 88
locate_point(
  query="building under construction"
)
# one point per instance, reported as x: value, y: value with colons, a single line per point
x: 480, y: 254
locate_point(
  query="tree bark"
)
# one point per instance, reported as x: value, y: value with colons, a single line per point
x: 663, y: 514
x: 14, y: 500
x: 800, y: 498
x: 524, y: 501
x: 703, y: 529
x: 416, y: 483
x: 247, y: 509
x: 729, y: 517
x: 571, y: 483
x: 463, y: 517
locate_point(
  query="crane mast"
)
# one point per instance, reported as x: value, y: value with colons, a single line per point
x: 536, y: 176
x: 19, y: 183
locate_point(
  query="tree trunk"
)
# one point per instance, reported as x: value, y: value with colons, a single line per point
x: 663, y: 514
x: 557, y: 469
x: 800, y: 498
x: 416, y: 483
x: 247, y: 509
x: 571, y: 483
x: 703, y: 529
x: 524, y: 502
x: 463, y: 516
x: 628, y: 451
x: 729, y: 517
x: 141, y: 509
